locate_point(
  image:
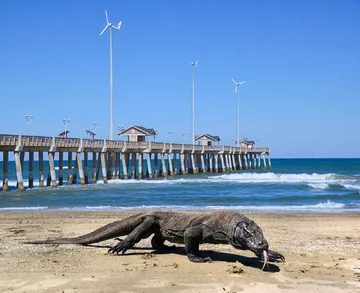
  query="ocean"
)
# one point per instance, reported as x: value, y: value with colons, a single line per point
x: 290, y: 186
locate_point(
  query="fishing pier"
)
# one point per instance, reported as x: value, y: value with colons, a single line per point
x: 117, y: 159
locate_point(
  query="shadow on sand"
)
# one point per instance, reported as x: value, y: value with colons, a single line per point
x: 253, y: 262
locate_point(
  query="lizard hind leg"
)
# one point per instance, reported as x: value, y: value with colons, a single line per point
x: 157, y: 242
x: 142, y: 231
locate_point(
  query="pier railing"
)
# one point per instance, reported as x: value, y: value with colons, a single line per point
x: 45, y: 143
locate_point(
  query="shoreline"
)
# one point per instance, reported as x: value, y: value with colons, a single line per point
x: 322, y: 253
x: 181, y: 209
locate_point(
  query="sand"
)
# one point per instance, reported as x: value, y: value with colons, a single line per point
x: 322, y: 255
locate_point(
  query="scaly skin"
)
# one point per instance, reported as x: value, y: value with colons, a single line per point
x: 188, y: 228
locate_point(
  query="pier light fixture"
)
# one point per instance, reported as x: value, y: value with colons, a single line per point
x: 170, y: 134
x: 120, y: 128
x: 237, y: 84
x: 193, y: 65
x: 96, y: 126
x: 111, y: 26
x: 184, y: 134
x: 28, y: 119
x: 66, y: 122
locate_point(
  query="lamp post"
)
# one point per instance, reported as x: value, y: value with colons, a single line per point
x: 155, y: 133
x: 28, y: 119
x: 193, y: 64
x: 96, y: 125
x: 66, y: 121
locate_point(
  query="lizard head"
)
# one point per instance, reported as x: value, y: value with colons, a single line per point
x: 249, y: 236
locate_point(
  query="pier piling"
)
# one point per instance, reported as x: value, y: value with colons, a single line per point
x: 61, y: 164
x: 103, y: 166
x: 31, y: 169
x: 80, y: 168
x: 5, y: 186
x: 41, y: 169
x: 148, y: 163
x: 19, y: 176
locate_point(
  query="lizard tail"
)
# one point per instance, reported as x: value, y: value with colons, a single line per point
x: 115, y: 229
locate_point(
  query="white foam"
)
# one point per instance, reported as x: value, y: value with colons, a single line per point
x: 98, y: 207
x: 64, y: 168
x: 234, y: 177
x: 22, y: 208
x: 328, y: 206
x: 322, y: 207
x: 273, y: 177
x: 319, y: 185
x: 316, y: 181
x: 351, y: 186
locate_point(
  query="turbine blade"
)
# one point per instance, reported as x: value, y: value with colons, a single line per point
x: 236, y: 88
x: 234, y: 81
x: 107, y: 19
x: 104, y: 30
x: 116, y: 26
x: 242, y: 82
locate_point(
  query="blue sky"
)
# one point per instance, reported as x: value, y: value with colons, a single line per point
x: 300, y: 61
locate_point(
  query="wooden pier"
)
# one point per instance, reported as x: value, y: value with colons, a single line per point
x: 120, y: 159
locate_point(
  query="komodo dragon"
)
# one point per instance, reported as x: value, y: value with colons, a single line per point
x: 189, y: 228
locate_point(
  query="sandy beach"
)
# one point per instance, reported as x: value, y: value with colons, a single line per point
x: 322, y: 255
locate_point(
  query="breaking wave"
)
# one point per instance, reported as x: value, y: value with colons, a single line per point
x: 321, y: 207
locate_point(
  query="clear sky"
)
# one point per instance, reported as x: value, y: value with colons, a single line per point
x: 300, y: 61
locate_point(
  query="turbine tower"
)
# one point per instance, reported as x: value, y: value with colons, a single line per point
x: 237, y: 84
x: 111, y: 26
x: 193, y: 65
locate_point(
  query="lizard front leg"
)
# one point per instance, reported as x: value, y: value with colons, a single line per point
x: 192, y: 239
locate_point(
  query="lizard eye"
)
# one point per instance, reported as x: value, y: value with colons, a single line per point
x: 247, y: 234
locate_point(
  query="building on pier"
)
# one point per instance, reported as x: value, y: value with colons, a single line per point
x: 247, y: 143
x: 90, y: 134
x: 63, y: 134
x: 207, y: 139
x: 137, y: 133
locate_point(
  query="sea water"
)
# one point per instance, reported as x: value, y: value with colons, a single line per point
x: 290, y: 186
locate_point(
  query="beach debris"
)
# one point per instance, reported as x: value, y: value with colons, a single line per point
x: 235, y: 270
x: 148, y: 256
x: 266, y: 261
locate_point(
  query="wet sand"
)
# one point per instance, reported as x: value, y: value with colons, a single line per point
x: 322, y: 255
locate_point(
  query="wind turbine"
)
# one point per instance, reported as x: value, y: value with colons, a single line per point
x: 237, y: 84
x: 111, y: 26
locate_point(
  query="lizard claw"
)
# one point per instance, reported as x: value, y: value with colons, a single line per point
x: 196, y: 258
x: 122, y: 247
x: 275, y: 256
